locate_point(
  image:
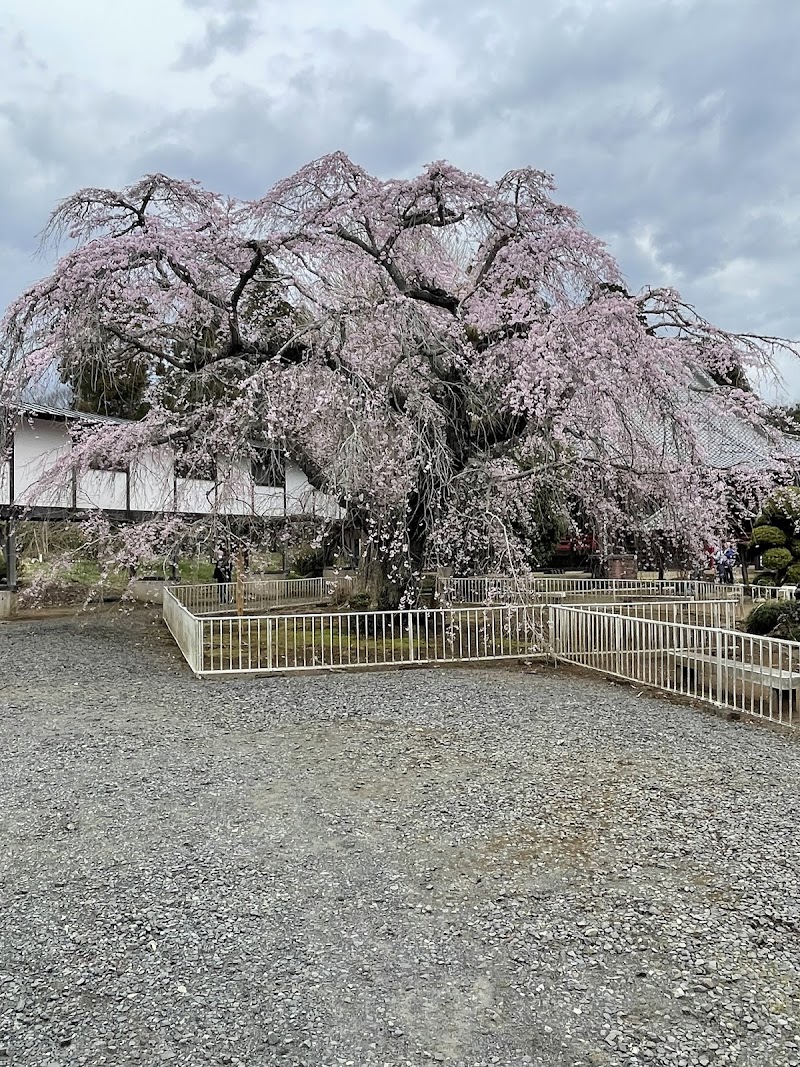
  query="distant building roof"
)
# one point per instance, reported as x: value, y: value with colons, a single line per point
x: 55, y: 412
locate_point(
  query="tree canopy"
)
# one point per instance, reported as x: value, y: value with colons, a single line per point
x: 456, y: 359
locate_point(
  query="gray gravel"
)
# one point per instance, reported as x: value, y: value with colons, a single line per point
x: 462, y: 866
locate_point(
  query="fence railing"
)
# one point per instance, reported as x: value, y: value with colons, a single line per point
x: 719, y: 614
x: 488, y: 589
x: 261, y: 595
x: 184, y: 627
x: 258, y: 594
x: 264, y: 643
x: 772, y: 592
x: 757, y: 676
x: 322, y: 640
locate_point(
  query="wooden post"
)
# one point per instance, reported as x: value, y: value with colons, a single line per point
x: 742, y: 548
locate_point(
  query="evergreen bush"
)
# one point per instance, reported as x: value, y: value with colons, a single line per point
x: 768, y: 537
x: 765, y: 617
x: 777, y: 559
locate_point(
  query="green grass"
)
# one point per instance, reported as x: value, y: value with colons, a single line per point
x: 196, y: 571
x: 74, y: 583
x: 78, y: 577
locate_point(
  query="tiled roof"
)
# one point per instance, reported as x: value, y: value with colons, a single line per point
x: 55, y: 412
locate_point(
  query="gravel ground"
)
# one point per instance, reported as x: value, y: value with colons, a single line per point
x: 474, y: 866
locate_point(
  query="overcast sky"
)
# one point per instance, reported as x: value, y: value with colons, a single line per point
x: 673, y: 126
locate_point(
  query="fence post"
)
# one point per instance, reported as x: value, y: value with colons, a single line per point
x: 410, y: 637
x: 239, y: 587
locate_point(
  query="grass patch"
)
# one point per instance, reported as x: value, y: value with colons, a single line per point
x: 286, y: 642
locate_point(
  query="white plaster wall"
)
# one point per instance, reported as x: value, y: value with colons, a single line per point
x: 194, y: 496
x: 326, y: 507
x: 267, y: 502
x: 303, y: 499
x: 102, y: 489
x: 235, y: 488
x: 152, y: 481
x: 38, y: 445
x: 239, y: 495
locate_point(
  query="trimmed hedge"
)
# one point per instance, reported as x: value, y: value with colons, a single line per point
x: 359, y: 602
x: 768, y: 537
x: 308, y: 562
x: 777, y: 559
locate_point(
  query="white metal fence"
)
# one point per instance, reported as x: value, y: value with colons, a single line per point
x: 497, y: 589
x: 772, y: 592
x: 684, y: 646
x: 752, y: 675
x: 261, y: 595
x: 323, y: 640
x: 258, y: 595
x: 720, y: 614
x: 226, y: 644
x: 184, y: 627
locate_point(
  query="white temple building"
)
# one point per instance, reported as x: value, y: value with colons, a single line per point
x: 37, y: 437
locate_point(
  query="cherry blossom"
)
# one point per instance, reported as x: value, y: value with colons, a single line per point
x: 457, y: 360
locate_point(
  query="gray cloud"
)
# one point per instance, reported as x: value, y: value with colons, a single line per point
x: 671, y: 126
x: 677, y: 120
x: 253, y: 136
x: 231, y: 33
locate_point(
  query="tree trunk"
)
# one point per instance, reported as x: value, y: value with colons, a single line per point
x: 743, y: 561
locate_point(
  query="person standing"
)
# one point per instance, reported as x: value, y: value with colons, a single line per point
x: 730, y: 561
x: 223, y: 572
x: 719, y: 563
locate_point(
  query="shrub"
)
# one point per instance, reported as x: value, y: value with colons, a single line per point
x: 777, y: 559
x: 788, y: 624
x: 765, y: 578
x: 765, y: 617
x: 792, y: 576
x: 308, y: 562
x: 387, y: 601
x: 768, y: 537
x: 359, y: 602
